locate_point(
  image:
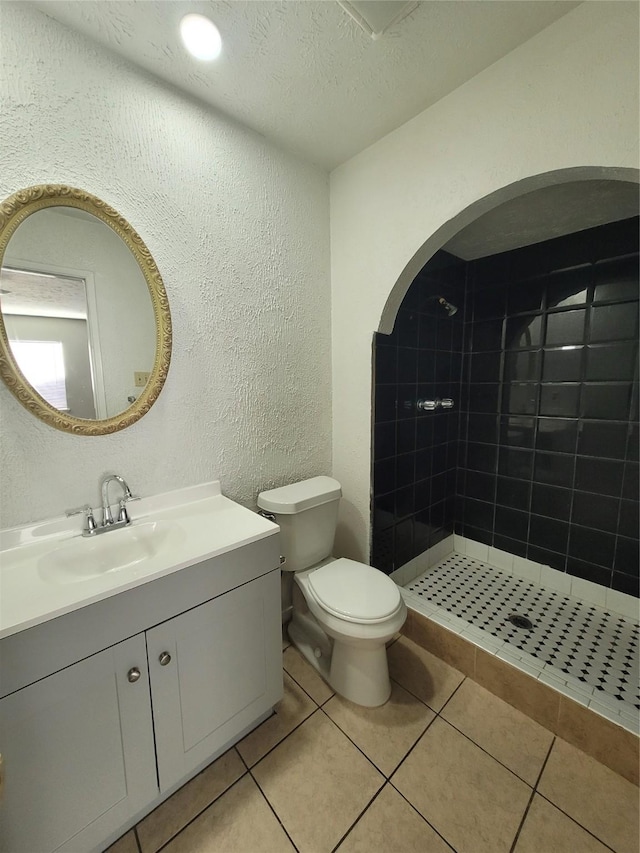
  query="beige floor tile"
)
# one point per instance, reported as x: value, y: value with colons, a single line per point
x: 318, y: 783
x: 390, y: 825
x: 449, y: 647
x: 172, y: 815
x: 126, y: 844
x: 239, y: 821
x: 594, y: 796
x: 422, y: 674
x: 507, y: 734
x: 306, y: 676
x: 294, y: 707
x: 475, y: 803
x: 384, y: 734
x: 546, y: 828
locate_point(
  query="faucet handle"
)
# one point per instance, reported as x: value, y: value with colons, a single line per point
x: 90, y: 522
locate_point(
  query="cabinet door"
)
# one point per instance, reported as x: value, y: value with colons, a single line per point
x: 78, y: 753
x: 225, y: 670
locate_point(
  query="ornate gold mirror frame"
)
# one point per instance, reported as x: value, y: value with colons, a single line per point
x: 13, y: 211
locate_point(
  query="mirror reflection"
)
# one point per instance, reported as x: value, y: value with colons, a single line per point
x: 78, y: 313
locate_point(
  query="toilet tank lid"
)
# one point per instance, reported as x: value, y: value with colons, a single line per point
x: 300, y: 496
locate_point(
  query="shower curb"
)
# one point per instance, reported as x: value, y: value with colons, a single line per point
x: 610, y: 744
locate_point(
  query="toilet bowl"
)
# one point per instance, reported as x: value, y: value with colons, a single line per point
x: 344, y: 612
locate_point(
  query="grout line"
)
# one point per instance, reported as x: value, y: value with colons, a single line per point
x: 360, y: 750
x: 275, y: 813
x: 544, y: 763
x: 421, y: 815
x: 361, y: 815
x: 573, y: 820
x: 135, y: 835
x: 282, y: 739
x: 306, y: 692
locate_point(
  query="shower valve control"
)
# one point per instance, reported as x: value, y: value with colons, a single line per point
x: 432, y: 405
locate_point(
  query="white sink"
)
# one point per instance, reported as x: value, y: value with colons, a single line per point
x: 84, y: 558
x: 48, y: 569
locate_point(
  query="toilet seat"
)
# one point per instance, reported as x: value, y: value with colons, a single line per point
x: 354, y: 591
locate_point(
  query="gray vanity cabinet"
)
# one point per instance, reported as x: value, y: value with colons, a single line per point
x: 92, y: 747
x: 78, y: 753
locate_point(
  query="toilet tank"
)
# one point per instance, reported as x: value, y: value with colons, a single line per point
x: 307, y: 513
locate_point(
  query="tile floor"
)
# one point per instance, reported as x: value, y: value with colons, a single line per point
x: 597, y: 648
x: 443, y: 766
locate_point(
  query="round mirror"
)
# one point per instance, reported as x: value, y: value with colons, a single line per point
x: 85, y: 328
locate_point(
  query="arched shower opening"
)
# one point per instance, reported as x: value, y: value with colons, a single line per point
x: 532, y: 463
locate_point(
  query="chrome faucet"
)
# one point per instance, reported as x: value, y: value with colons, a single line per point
x: 108, y: 522
x: 123, y: 515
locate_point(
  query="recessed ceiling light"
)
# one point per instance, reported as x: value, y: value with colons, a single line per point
x: 201, y: 37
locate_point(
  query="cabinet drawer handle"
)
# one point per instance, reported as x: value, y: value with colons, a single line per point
x: 164, y: 658
x: 134, y: 674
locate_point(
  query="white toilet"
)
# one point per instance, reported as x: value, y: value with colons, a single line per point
x: 343, y: 611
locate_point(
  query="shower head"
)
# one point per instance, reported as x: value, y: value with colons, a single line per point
x: 448, y: 307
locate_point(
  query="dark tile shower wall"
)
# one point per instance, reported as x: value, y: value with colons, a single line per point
x: 415, y: 453
x: 549, y: 468
x: 542, y: 447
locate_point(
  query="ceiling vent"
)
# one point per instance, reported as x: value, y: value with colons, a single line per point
x: 375, y: 17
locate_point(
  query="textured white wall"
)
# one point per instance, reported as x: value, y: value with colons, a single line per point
x: 239, y: 231
x: 566, y: 98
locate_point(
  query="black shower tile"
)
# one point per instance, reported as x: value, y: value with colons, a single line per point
x: 439, y: 487
x: 443, y: 334
x: 569, y: 287
x: 404, y: 503
x: 588, y: 571
x: 423, y: 463
x: 386, y: 365
x: 554, y: 469
x: 513, y: 493
x: 525, y: 296
x: 382, y: 340
x: 633, y: 445
x: 515, y: 462
x: 597, y: 438
x: 614, y: 322
x: 490, y: 303
x: 560, y: 399
x: 595, y: 511
x: 551, y: 501
x: 606, y: 401
x: 557, y: 434
x: 384, y: 440
x: 483, y: 397
x: 592, y: 546
x: 629, y: 519
x: 626, y: 583
x: 427, y: 330
x: 482, y: 428
x: 424, y: 430
x: 482, y: 457
x: 478, y: 534
x: 406, y: 436
x: 405, y: 469
x: 565, y: 327
x: 519, y: 398
x: 442, y: 367
x: 511, y: 546
x: 383, y: 511
x: 439, y: 428
x: 617, y: 238
x: 490, y: 271
x: 406, y: 328
x: 478, y: 513
x: 406, y: 403
x: 382, y: 550
x: 486, y: 336
x: 617, y: 280
x: 517, y: 431
x: 407, y: 365
x: 627, y: 556
x: 522, y: 366
x: 546, y: 558
x: 613, y: 362
x: 384, y: 476
x: 426, y: 365
x: 485, y: 367
x: 562, y: 365
x: 421, y: 532
x: 523, y: 332
x: 480, y: 486
x: 403, y: 545
x: 548, y: 533
x: 511, y: 523
x: 601, y: 476
x: 385, y: 405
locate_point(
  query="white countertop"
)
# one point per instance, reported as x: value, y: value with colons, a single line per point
x: 190, y: 525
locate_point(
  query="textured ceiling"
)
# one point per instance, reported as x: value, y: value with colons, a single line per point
x: 302, y: 72
x: 546, y: 213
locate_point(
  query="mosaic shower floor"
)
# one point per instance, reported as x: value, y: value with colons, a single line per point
x: 593, y: 650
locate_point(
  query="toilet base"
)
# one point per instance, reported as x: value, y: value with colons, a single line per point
x: 358, y: 672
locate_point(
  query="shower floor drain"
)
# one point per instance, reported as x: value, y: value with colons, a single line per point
x: 520, y: 621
